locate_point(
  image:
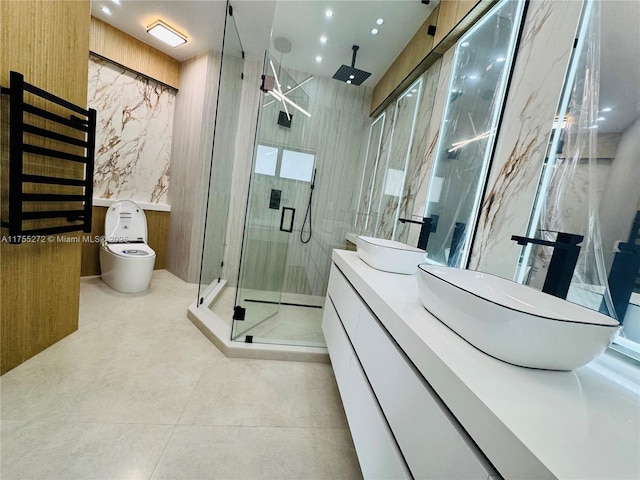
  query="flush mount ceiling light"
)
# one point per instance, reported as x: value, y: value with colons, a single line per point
x: 167, y: 34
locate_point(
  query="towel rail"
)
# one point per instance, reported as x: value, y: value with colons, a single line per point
x: 45, y: 148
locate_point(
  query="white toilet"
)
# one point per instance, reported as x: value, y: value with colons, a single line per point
x: 126, y: 261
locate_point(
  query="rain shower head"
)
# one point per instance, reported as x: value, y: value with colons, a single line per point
x: 351, y: 74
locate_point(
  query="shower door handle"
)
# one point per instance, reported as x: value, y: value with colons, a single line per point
x: 293, y: 216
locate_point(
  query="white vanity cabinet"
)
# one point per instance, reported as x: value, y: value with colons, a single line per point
x: 400, y: 427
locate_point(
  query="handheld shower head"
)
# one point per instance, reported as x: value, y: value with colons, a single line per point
x: 350, y: 74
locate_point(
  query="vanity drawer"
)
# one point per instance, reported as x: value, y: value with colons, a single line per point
x: 430, y: 438
x: 345, y: 299
x: 338, y: 345
x: 377, y: 451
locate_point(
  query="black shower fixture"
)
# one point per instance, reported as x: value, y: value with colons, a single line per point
x: 351, y: 74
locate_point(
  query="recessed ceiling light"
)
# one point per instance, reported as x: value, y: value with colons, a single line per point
x: 593, y: 126
x: 349, y: 82
x: 380, y: 21
x: 464, y: 44
x: 607, y: 109
x: 351, y: 77
x: 501, y: 59
x: 105, y: 10
x: 166, y: 33
x: 318, y: 59
x: 414, y: 90
x: 473, y: 76
x: 323, y: 39
x: 600, y: 119
x: 328, y: 13
x: 374, y: 31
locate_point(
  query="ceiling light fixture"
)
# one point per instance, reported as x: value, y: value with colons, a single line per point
x: 105, y: 10
x: 166, y: 33
x: 380, y: 21
x: 607, y: 109
x: 328, y: 13
x: 318, y: 59
x: 117, y: 2
x: 282, y: 97
x: 374, y: 31
x: 600, y: 119
x: 323, y: 39
x: 500, y: 59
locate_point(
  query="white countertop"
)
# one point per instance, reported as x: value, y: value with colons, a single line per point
x: 530, y: 423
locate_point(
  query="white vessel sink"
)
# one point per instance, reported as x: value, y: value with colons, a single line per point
x: 389, y: 255
x: 512, y: 322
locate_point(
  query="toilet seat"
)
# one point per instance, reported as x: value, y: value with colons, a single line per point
x: 127, y: 250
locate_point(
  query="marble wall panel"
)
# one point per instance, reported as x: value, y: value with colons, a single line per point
x: 401, y: 142
x: 417, y: 155
x: 430, y: 142
x: 435, y: 83
x: 538, y: 77
x: 133, y: 133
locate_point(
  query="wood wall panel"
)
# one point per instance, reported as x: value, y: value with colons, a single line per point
x: 413, y: 53
x: 452, y: 19
x: 450, y: 14
x: 48, y: 42
x: 157, y: 227
x: 119, y: 47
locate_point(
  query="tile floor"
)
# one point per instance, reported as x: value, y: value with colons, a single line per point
x: 139, y: 393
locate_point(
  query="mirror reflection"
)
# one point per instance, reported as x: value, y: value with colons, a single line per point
x: 482, y: 64
x: 590, y: 184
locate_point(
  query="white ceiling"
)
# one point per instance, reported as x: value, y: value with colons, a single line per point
x: 302, y: 22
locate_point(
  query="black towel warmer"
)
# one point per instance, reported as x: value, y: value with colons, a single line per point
x: 26, y: 149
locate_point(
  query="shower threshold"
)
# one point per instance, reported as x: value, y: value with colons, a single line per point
x: 218, y: 331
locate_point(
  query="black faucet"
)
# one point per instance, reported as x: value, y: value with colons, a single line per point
x: 425, y: 230
x: 563, y: 261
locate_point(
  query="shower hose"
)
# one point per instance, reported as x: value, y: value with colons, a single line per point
x: 308, y: 213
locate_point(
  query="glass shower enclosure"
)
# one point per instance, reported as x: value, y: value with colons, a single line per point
x: 273, y: 304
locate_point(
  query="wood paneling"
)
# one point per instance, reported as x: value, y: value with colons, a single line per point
x: 413, y: 53
x: 48, y: 42
x: 157, y: 228
x: 450, y: 14
x: 121, y: 48
x: 452, y: 19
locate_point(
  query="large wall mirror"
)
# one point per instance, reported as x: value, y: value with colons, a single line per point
x: 590, y: 183
x: 477, y: 90
x: 365, y: 220
x: 397, y: 162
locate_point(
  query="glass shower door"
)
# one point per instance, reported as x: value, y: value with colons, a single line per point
x: 268, y: 226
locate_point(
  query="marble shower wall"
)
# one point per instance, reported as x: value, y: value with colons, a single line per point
x: 541, y: 63
x: 133, y: 133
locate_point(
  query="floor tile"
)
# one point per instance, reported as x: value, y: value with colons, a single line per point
x: 68, y: 451
x: 196, y: 452
x: 266, y: 393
